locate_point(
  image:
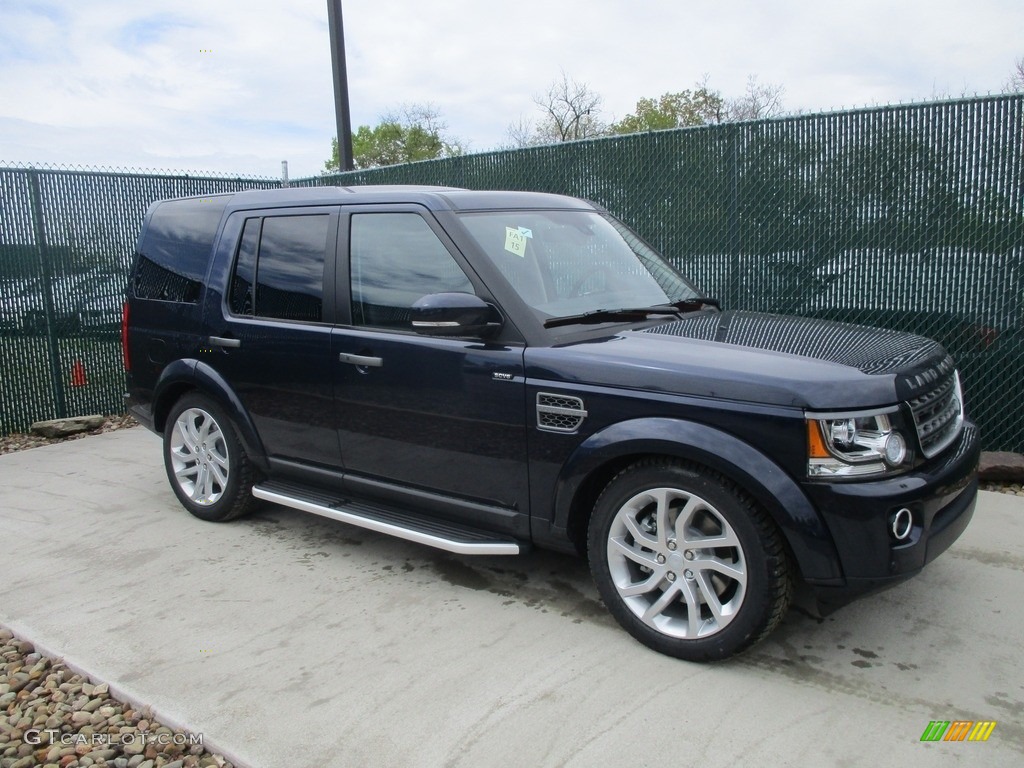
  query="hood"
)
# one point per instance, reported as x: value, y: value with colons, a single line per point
x: 753, y: 357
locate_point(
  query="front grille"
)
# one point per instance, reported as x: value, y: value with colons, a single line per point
x: 939, y: 415
x: 559, y: 413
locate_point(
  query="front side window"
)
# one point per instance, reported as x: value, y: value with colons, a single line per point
x: 397, y: 260
x: 279, y: 270
x: 569, y: 262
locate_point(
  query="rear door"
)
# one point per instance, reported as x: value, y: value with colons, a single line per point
x: 270, y: 332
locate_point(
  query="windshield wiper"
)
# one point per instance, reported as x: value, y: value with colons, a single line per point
x: 627, y: 314
x: 697, y: 302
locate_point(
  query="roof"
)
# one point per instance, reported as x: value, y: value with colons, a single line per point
x: 434, y: 198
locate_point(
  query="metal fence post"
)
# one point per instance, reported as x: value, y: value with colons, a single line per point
x: 56, y: 379
x: 735, y: 278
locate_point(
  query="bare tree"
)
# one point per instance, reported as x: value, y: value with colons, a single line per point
x: 570, y: 111
x: 758, y: 102
x: 428, y: 116
x: 1016, y: 82
x: 521, y: 133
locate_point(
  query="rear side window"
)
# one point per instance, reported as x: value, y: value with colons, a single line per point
x: 175, y: 251
x: 243, y: 285
x: 279, y: 269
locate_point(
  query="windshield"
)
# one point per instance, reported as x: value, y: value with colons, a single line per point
x: 569, y: 262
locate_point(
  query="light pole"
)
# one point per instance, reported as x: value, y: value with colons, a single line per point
x: 340, y: 85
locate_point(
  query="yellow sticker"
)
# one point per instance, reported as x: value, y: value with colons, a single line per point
x: 515, y: 241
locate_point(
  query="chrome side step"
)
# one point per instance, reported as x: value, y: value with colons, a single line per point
x: 440, y: 534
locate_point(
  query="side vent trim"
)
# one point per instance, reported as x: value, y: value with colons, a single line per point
x: 559, y: 413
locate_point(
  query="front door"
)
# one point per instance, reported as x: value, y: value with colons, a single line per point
x: 420, y: 417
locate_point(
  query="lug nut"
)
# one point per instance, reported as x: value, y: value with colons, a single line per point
x: 688, y: 574
x: 670, y: 576
x: 672, y: 544
x: 660, y: 559
x: 688, y: 554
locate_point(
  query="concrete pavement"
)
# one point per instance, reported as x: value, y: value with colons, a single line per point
x: 288, y: 640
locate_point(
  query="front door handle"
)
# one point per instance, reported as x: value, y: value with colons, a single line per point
x: 362, y: 361
x: 220, y: 341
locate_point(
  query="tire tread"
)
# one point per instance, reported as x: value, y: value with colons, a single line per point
x: 776, y: 555
x: 244, y: 473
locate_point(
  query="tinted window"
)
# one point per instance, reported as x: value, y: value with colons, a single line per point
x: 245, y: 269
x: 180, y: 235
x: 397, y: 260
x: 151, y: 281
x: 290, y: 270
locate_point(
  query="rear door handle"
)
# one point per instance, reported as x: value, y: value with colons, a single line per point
x: 361, y: 360
x: 220, y: 341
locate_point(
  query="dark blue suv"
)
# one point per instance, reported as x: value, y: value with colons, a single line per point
x: 486, y: 371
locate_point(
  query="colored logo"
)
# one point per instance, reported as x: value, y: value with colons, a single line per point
x: 958, y: 730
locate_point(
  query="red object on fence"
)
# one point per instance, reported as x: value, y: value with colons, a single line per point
x: 78, y: 378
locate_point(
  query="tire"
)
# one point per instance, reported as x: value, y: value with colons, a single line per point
x: 206, y: 465
x: 649, y: 555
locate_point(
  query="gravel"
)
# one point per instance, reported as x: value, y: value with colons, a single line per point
x: 53, y: 717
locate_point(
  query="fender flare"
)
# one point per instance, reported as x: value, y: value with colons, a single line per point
x: 803, y: 527
x: 194, y: 375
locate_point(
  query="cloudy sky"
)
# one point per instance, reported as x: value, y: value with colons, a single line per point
x: 240, y: 85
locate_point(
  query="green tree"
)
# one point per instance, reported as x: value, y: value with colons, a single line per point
x: 673, y: 110
x: 702, y: 106
x: 414, y: 133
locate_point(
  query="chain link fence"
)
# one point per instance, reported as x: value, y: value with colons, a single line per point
x: 908, y: 217
x: 66, y: 242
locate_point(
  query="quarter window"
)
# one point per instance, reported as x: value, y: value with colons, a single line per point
x: 396, y: 260
x: 175, y: 253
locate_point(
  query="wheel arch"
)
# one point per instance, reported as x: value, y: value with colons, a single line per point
x: 604, y: 454
x: 183, y: 376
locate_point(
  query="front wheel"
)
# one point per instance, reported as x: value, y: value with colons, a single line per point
x: 206, y: 464
x: 685, y: 562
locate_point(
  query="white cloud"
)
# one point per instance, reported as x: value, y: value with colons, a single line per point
x: 239, y: 85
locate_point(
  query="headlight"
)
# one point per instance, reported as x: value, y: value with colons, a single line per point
x: 857, y: 444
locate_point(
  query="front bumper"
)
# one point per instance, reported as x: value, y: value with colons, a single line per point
x: 941, y: 498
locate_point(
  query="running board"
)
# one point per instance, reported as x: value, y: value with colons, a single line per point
x: 440, y: 534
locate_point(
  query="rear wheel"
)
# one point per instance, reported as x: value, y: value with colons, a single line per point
x: 685, y: 562
x: 206, y: 465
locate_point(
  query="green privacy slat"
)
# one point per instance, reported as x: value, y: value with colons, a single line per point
x: 63, y: 264
x: 908, y: 217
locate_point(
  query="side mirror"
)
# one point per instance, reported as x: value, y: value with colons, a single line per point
x: 455, y: 314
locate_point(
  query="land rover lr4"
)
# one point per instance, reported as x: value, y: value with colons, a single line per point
x: 487, y: 371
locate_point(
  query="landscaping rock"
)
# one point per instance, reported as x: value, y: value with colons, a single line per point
x: 1002, y: 466
x: 69, y: 426
x: 95, y: 730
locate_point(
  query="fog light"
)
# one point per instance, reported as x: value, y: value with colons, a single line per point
x: 901, y: 524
